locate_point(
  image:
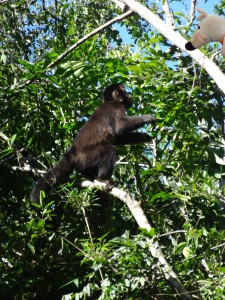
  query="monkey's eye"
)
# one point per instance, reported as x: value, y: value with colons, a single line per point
x: 198, y: 26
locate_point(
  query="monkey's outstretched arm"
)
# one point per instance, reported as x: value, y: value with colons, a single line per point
x: 132, y: 138
x: 131, y: 123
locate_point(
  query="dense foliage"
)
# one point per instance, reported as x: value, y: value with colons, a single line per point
x: 82, y: 243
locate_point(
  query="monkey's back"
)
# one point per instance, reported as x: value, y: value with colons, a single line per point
x: 100, y: 128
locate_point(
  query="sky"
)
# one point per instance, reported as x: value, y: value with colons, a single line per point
x: 208, y: 6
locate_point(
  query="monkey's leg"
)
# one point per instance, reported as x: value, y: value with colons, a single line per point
x: 132, y: 138
x: 106, y: 165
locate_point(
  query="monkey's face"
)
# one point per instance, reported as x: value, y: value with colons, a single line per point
x: 127, y: 99
x: 117, y: 92
x: 121, y: 95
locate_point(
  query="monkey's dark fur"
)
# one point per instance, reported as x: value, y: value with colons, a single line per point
x: 93, y: 151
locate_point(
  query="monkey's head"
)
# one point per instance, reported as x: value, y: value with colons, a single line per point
x: 117, y: 92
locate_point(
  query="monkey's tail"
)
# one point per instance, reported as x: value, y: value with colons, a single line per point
x: 59, y: 174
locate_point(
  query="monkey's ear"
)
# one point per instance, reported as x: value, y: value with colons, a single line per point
x: 116, y: 95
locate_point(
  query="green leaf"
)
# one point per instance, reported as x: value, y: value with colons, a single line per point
x: 31, y: 247
x: 187, y: 252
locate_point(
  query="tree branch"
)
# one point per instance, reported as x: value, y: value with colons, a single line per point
x: 192, y: 12
x: 78, y: 43
x: 142, y: 221
x: 169, y: 19
x: 210, y: 67
x: 24, y: 166
x: 4, y: 1
x: 90, y: 235
x: 86, y: 37
x: 120, y: 4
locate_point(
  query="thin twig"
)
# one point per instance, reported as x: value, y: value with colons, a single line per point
x: 154, y: 141
x: 192, y: 13
x: 221, y: 245
x: 87, y: 224
x: 90, y: 235
x: 72, y: 244
x: 173, y: 232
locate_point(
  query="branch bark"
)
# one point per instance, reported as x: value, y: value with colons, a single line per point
x: 142, y: 221
x: 207, y: 64
x: 120, y: 4
x: 169, y: 19
x: 192, y: 12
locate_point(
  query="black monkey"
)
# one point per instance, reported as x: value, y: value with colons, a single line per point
x: 93, y: 152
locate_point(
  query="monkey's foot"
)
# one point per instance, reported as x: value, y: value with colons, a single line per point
x: 108, y: 184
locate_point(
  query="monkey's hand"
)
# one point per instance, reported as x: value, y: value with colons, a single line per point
x: 145, y: 138
x: 149, y: 119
